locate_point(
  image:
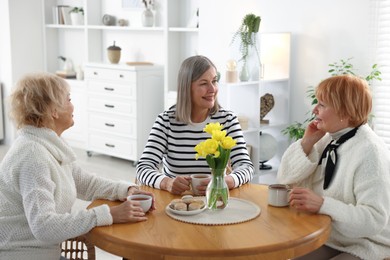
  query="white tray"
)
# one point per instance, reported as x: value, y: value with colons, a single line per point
x: 237, y: 211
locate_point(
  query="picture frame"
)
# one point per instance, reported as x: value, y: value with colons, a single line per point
x: 132, y: 4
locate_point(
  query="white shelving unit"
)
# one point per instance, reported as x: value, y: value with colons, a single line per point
x: 167, y: 44
x: 173, y: 38
x: 243, y: 98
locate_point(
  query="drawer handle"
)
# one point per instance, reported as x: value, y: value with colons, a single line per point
x: 109, y: 106
x: 110, y: 145
x: 95, y: 73
x: 110, y: 125
x: 121, y: 76
x: 109, y: 89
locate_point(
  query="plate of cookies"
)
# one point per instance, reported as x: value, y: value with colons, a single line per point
x: 187, y: 205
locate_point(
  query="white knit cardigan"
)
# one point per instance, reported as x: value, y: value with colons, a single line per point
x: 358, y: 198
x: 39, y: 183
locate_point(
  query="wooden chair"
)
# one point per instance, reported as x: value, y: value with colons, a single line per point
x: 78, y: 248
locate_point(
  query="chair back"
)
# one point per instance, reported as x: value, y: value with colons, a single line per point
x: 78, y: 248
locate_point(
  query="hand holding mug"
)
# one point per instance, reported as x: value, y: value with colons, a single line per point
x: 199, y: 183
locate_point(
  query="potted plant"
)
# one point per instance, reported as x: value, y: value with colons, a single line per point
x: 296, y: 130
x: 246, y: 34
x: 77, y: 15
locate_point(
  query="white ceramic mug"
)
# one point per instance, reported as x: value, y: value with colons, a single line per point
x: 196, y: 180
x: 144, y: 200
x: 278, y: 195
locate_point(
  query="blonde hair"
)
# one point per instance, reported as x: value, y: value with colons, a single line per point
x: 35, y: 96
x: 191, y: 70
x: 349, y: 95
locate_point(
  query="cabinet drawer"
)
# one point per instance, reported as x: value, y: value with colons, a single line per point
x: 126, y: 126
x: 112, y: 106
x: 116, y: 146
x: 103, y: 73
x: 128, y: 90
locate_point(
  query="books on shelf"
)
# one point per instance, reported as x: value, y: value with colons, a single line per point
x: 61, y: 14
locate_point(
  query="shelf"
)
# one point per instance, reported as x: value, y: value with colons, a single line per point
x: 240, y: 84
x: 183, y: 29
x: 275, y: 80
x: 62, y: 26
x: 273, y: 125
x: 124, y: 28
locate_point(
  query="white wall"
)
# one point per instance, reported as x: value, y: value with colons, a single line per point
x: 20, y: 46
x: 322, y: 32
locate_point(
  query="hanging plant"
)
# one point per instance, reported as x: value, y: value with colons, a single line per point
x: 250, y: 25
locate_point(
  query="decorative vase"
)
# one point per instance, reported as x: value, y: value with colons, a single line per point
x: 147, y: 18
x: 244, y: 73
x: 114, y: 54
x: 217, y: 192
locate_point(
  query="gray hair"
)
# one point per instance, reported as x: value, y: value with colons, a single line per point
x: 191, y: 70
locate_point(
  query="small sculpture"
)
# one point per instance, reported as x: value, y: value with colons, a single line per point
x: 267, y: 102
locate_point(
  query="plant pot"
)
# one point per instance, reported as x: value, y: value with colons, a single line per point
x: 77, y: 18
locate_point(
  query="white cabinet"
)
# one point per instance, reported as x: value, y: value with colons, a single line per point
x: 122, y: 105
x: 76, y: 135
x: 243, y: 98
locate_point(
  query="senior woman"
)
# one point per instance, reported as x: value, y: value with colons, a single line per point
x: 40, y: 179
x: 341, y: 168
x: 178, y: 130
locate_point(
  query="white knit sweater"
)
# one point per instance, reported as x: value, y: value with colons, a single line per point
x: 358, y: 198
x: 39, y: 183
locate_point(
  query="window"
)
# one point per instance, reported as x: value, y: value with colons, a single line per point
x: 380, y: 28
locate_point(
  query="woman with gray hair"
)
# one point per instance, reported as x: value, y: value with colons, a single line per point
x: 178, y: 130
x: 40, y: 179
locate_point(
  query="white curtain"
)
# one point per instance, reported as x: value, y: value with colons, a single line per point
x: 380, y: 29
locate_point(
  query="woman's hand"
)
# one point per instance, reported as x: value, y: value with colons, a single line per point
x: 128, y: 211
x: 305, y: 200
x: 134, y: 190
x: 176, y: 185
x: 312, y: 135
x: 229, y: 181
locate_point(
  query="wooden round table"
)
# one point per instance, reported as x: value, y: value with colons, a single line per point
x: 277, y: 233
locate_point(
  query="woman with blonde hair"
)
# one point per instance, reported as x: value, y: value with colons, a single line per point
x: 341, y: 168
x: 40, y: 178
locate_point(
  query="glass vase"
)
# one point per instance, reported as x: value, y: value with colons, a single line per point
x: 244, y: 73
x: 217, y: 192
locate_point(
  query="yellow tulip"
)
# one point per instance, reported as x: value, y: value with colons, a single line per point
x: 218, y: 135
x: 210, y: 127
x: 228, y: 142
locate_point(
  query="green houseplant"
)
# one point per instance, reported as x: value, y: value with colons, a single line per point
x: 77, y: 15
x: 77, y: 10
x: 250, y: 24
x: 296, y: 130
x: 246, y: 35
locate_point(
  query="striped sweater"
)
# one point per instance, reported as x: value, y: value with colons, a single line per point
x: 170, y: 147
